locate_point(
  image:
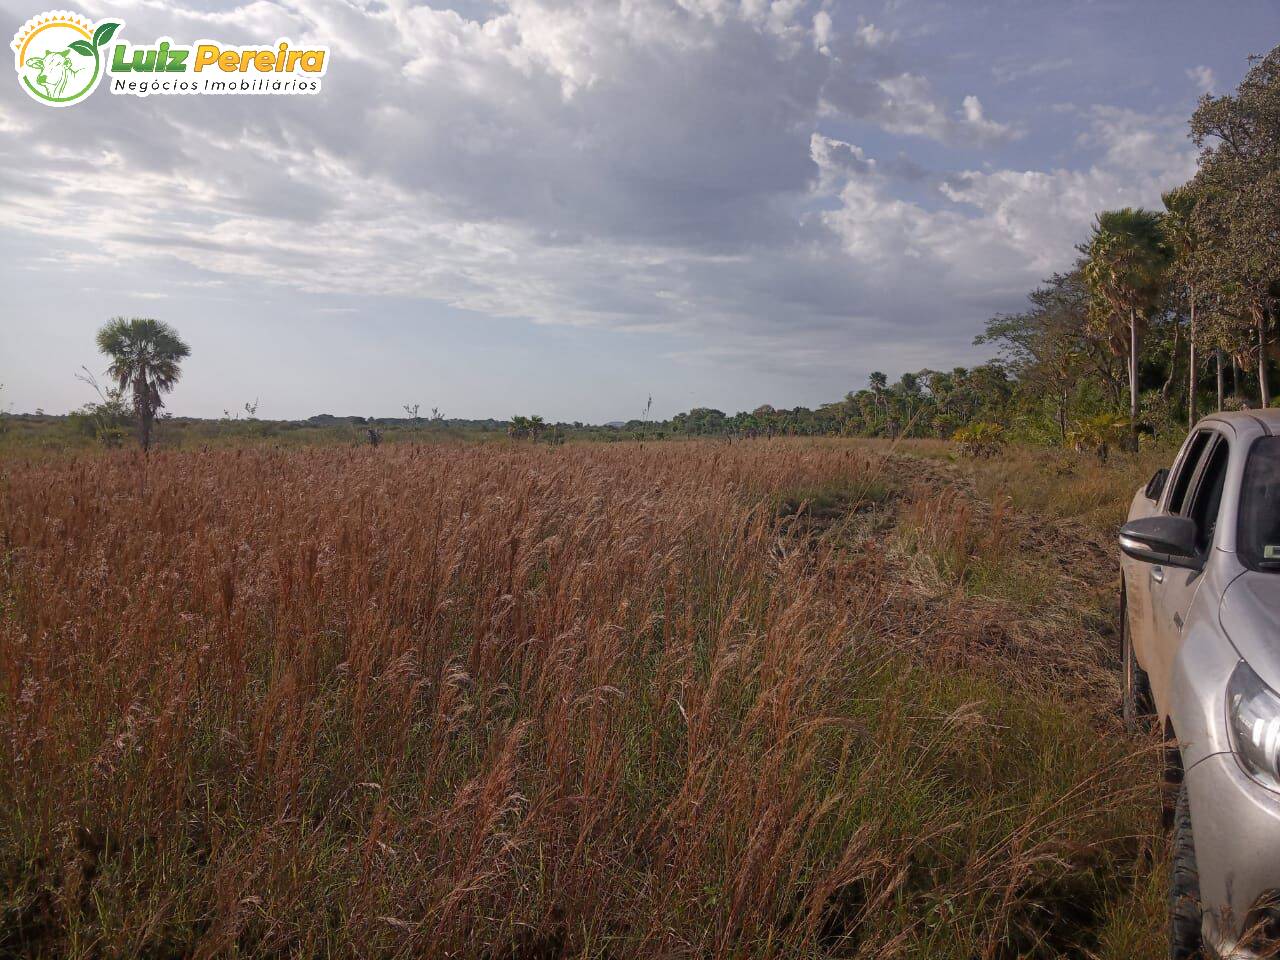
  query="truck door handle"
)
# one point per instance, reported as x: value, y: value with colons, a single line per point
x: 1157, y: 574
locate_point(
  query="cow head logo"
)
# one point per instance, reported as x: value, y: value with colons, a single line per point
x: 60, y: 56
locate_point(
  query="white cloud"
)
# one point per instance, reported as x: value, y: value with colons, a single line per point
x: 1203, y: 78
x: 905, y: 103
x: 822, y: 31
x: 1020, y: 68
x: 10, y: 122
x: 982, y: 128
x: 1041, y: 215
x: 837, y: 161
x: 870, y: 35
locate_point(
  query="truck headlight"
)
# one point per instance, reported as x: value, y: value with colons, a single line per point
x: 1253, y: 714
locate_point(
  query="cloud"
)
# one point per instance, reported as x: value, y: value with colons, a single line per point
x: 10, y: 122
x: 871, y: 36
x: 905, y: 103
x: 637, y: 166
x: 981, y: 128
x: 837, y: 161
x: 1014, y: 69
x: 822, y: 32
x: 1041, y: 215
x: 1203, y: 78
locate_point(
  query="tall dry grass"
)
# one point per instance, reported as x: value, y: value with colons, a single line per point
x: 518, y: 703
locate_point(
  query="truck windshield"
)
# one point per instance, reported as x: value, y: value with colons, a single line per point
x: 1259, y: 534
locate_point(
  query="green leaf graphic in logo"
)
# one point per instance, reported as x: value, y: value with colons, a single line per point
x: 58, y: 60
x: 104, y: 33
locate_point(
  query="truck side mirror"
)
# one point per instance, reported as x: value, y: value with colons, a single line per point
x: 1165, y: 540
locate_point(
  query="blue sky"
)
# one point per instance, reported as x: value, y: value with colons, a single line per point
x: 562, y: 208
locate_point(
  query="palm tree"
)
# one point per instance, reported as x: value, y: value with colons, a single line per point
x: 878, y: 382
x: 1127, y: 258
x: 1181, y: 237
x: 146, y: 355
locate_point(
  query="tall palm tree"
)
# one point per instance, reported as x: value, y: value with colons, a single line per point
x: 879, y: 383
x: 1181, y: 237
x: 146, y: 355
x: 1127, y: 259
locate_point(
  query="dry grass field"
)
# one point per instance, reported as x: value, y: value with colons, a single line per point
x: 764, y: 699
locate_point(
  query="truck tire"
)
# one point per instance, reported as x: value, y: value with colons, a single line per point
x: 1185, y: 939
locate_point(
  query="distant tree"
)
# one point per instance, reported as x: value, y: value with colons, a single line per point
x: 146, y: 356
x: 1047, y: 347
x: 700, y: 421
x: 878, y: 383
x: 980, y: 439
x: 1127, y: 259
x: 1238, y: 209
x: 1052, y: 350
x: 532, y: 427
x: 1096, y: 434
x: 106, y: 421
x: 1183, y: 240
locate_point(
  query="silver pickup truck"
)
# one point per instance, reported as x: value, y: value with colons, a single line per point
x: 1200, y: 645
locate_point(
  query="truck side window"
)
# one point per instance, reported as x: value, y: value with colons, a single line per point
x: 1258, y: 530
x: 1187, y: 470
x: 1208, y: 496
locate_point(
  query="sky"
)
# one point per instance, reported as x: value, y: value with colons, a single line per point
x: 564, y: 208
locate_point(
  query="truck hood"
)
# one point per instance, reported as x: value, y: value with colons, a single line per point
x: 1250, y: 616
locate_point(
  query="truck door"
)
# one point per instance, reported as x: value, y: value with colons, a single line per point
x: 1142, y: 579
x: 1173, y: 588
